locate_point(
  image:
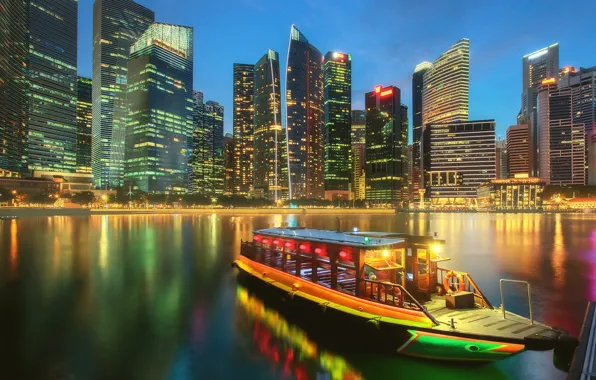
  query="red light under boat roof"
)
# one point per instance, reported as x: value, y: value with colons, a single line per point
x: 304, y: 247
x: 257, y: 238
x: 289, y: 244
x: 343, y: 254
x: 265, y: 241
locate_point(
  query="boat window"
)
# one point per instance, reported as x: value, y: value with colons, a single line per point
x: 346, y: 279
x: 323, y: 267
x: 306, y: 265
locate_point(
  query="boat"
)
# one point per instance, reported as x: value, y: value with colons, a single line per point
x: 390, y: 291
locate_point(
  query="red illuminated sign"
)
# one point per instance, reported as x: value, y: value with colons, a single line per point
x: 388, y: 92
x: 378, y: 89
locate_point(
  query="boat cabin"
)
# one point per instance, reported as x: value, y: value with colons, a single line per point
x: 363, y: 264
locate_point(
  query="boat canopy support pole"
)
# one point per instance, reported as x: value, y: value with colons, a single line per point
x: 529, y: 296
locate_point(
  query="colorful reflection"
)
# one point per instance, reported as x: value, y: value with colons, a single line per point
x: 288, y: 347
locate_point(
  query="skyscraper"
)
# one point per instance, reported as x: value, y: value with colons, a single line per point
x: 38, y: 85
x: 207, y: 172
x: 359, y: 154
x: 459, y: 157
x: 561, y: 139
x: 537, y: 66
x: 338, y: 115
x: 405, y: 154
x: 159, y: 121
x: 519, y: 149
x: 228, y: 158
x: 84, y: 125
x: 502, y: 159
x: 305, y: 118
x: 417, y: 92
x: 446, y: 86
x: 386, y: 146
x: 244, y: 109
x: 117, y: 24
x: 270, y: 165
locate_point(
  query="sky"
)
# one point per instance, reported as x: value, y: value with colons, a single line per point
x: 387, y: 39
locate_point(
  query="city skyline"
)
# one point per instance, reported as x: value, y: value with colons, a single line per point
x: 495, y: 55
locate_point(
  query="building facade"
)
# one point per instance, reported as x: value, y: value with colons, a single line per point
x: 228, y: 159
x: 84, y: 117
x: 338, y: 121
x: 38, y: 85
x: 270, y: 165
x: 417, y: 92
x: 519, y: 149
x: 243, y: 123
x: 502, y: 156
x: 207, y: 172
x: 446, y: 86
x: 304, y: 118
x: 117, y: 24
x: 358, y: 136
x: 460, y: 157
x: 386, y: 147
x: 520, y: 193
x: 561, y: 139
x: 159, y: 122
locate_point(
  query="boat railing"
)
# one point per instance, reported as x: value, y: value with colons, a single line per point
x: 529, y: 296
x: 470, y: 286
x: 391, y: 294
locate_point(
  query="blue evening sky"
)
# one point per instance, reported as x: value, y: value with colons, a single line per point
x: 386, y: 38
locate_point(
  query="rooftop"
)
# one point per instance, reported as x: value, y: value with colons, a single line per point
x: 353, y: 239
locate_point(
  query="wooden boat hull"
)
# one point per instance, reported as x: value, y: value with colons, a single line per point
x: 353, y: 324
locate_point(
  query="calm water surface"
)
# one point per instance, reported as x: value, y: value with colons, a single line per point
x: 155, y: 297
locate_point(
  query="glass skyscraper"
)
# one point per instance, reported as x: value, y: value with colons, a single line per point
x: 38, y: 85
x: 338, y: 114
x: 84, y: 125
x: 446, y: 86
x: 304, y: 118
x: 270, y: 166
x: 386, y: 146
x: 159, y: 122
x: 117, y: 24
x: 417, y: 126
x: 244, y: 109
x: 358, y: 136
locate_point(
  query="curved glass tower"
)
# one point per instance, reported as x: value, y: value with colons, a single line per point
x: 304, y: 118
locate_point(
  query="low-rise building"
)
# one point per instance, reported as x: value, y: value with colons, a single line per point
x: 521, y: 193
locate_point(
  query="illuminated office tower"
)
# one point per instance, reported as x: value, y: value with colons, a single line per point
x: 228, y: 158
x: 417, y: 126
x: 270, y: 160
x: 519, y: 149
x: 304, y: 118
x: 84, y: 125
x: 461, y: 157
x: 160, y: 121
x: 338, y: 114
x: 117, y: 24
x: 446, y: 85
x: 244, y: 110
x: 502, y: 157
x: 561, y: 139
x: 38, y: 85
x: 206, y: 171
x: 358, y: 136
x: 405, y: 154
x: 386, y: 146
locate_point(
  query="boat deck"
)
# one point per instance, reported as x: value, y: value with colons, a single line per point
x: 488, y: 322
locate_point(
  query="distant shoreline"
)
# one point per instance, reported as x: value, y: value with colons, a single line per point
x: 48, y: 211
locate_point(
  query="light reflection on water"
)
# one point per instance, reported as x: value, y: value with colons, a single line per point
x: 154, y: 296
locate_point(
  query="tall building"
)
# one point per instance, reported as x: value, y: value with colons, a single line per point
x: 244, y: 109
x: 501, y: 159
x: 446, y: 86
x: 117, y: 24
x: 159, y: 121
x: 536, y: 67
x: 417, y: 92
x: 207, y: 173
x: 583, y: 91
x: 461, y: 157
x: 406, y: 154
x: 338, y: 122
x: 358, y: 136
x: 519, y: 149
x: 228, y: 158
x: 38, y: 85
x: 304, y: 118
x: 270, y: 168
x: 561, y: 139
x: 84, y: 125
x: 386, y: 146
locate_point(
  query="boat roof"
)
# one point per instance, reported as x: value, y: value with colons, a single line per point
x: 352, y: 239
